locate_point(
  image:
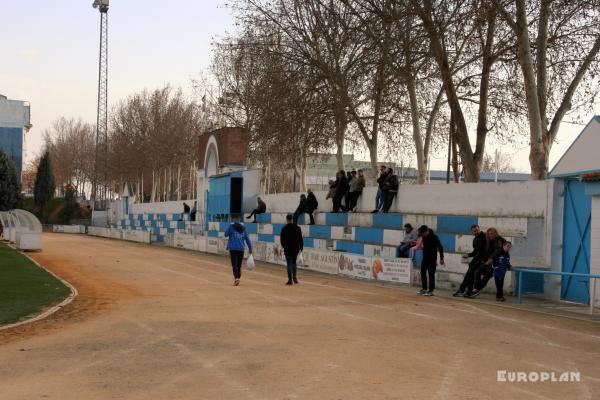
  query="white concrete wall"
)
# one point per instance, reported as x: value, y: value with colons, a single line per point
x: 509, y: 199
x: 166, y: 207
x: 251, y: 189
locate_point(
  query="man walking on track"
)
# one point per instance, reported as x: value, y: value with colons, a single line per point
x: 431, y: 245
x: 293, y: 244
x: 237, y: 235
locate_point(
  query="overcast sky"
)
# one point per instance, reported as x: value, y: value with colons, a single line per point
x: 50, y: 57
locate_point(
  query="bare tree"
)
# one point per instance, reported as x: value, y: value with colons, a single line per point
x: 558, y: 43
x: 154, y: 134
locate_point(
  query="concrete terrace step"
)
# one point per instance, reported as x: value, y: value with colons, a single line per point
x: 459, y: 224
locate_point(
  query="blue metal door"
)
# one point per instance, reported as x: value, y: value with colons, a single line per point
x: 576, y: 242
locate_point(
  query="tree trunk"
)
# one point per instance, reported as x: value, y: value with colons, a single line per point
x: 538, y: 159
x: 414, y: 116
x: 373, y: 155
x: 340, y: 132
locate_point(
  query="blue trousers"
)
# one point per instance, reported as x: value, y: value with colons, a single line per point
x: 291, y: 266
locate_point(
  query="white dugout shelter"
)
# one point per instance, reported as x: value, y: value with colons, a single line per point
x: 22, y: 228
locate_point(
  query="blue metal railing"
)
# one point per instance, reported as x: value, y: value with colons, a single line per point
x: 521, y: 271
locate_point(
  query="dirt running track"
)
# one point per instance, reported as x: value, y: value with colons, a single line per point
x: 158, y: 323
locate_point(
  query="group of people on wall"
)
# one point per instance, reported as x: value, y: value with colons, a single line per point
x: 490, y: 258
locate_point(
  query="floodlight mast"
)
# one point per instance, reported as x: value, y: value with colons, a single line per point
x: 100, y: 183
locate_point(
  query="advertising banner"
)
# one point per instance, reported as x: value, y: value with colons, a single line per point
x: 391, y: 269
x: 321, y: 261
x: 355, y: 266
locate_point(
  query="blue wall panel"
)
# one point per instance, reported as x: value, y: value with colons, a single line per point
x: 448, y: 242
x: 266, y: 238
x: 338, y: 219
x: 320, y: 231
x: 264, y: 218
x: 391, y: 221
x: 350, y: 247
x: 368, y: 235
x: 455, y: 224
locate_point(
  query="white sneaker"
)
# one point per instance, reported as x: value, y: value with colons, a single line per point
x: 422, y: 292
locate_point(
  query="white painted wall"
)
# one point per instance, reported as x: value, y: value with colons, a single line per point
x: 166, y: 207
x: 509, y: 199
x: 251, y: 189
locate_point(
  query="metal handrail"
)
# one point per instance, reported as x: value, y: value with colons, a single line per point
x: 521, y: 271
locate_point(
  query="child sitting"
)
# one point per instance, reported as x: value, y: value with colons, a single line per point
x: 500, y: 265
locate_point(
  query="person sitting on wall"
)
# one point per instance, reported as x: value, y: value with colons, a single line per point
x: 390, y: 188
x: 479, y: 241
x: 379, y: 196
x: 194, y: 211
x: 348, y: 196
x: 357, y: 185
x: 261, y: 209
x: 301, y: 208
x: 410, y: 239
x: 311, y: 205
x: 331, y: 191
x: 493, y: 248
x: 341, y: 187
x: 186, y: 210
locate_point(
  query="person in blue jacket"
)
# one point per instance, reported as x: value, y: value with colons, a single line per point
x: 500, y: 265
x: 237, y: 235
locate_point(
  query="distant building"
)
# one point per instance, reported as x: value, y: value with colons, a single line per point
x: 14, y: 123
x: 322, y: 167
x: 410, y: 175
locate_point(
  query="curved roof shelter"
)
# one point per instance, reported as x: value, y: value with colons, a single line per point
x: 24, y: 229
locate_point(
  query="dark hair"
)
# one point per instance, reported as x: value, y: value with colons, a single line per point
x: 474, y: 226
x: 289, y: 217
x: 423, y: 229
x: 353, y: 172
x: 235, y: 216
x: 408, y: 226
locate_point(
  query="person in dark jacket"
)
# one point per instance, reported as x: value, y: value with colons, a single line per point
x: 466, y: 287
x: 237, y: 234
x: 293, y: 244
x: 341, y: 188
x: 357, y: 184
x: 311, y: 205
x: 379, y: 196
x: 493, y: 247
x: 500, y: 265
x: 390, y: 188
x: 186, y: 210
x: 301, y: 208
x: 260, y: 209
x: 431, y: 246
x: 194, y: 211
x: 347, y: 198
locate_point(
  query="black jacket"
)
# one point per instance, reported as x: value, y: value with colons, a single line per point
x: 381, y: 180
x: 262, y: 207
x: 342, y: 186
x: 494, y: 250
x: 478, y: 247
x: 391, y: 183
x: 431, y: 245
x: 302, y: 206
x: 291, y: 240
x: 311, y: 202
